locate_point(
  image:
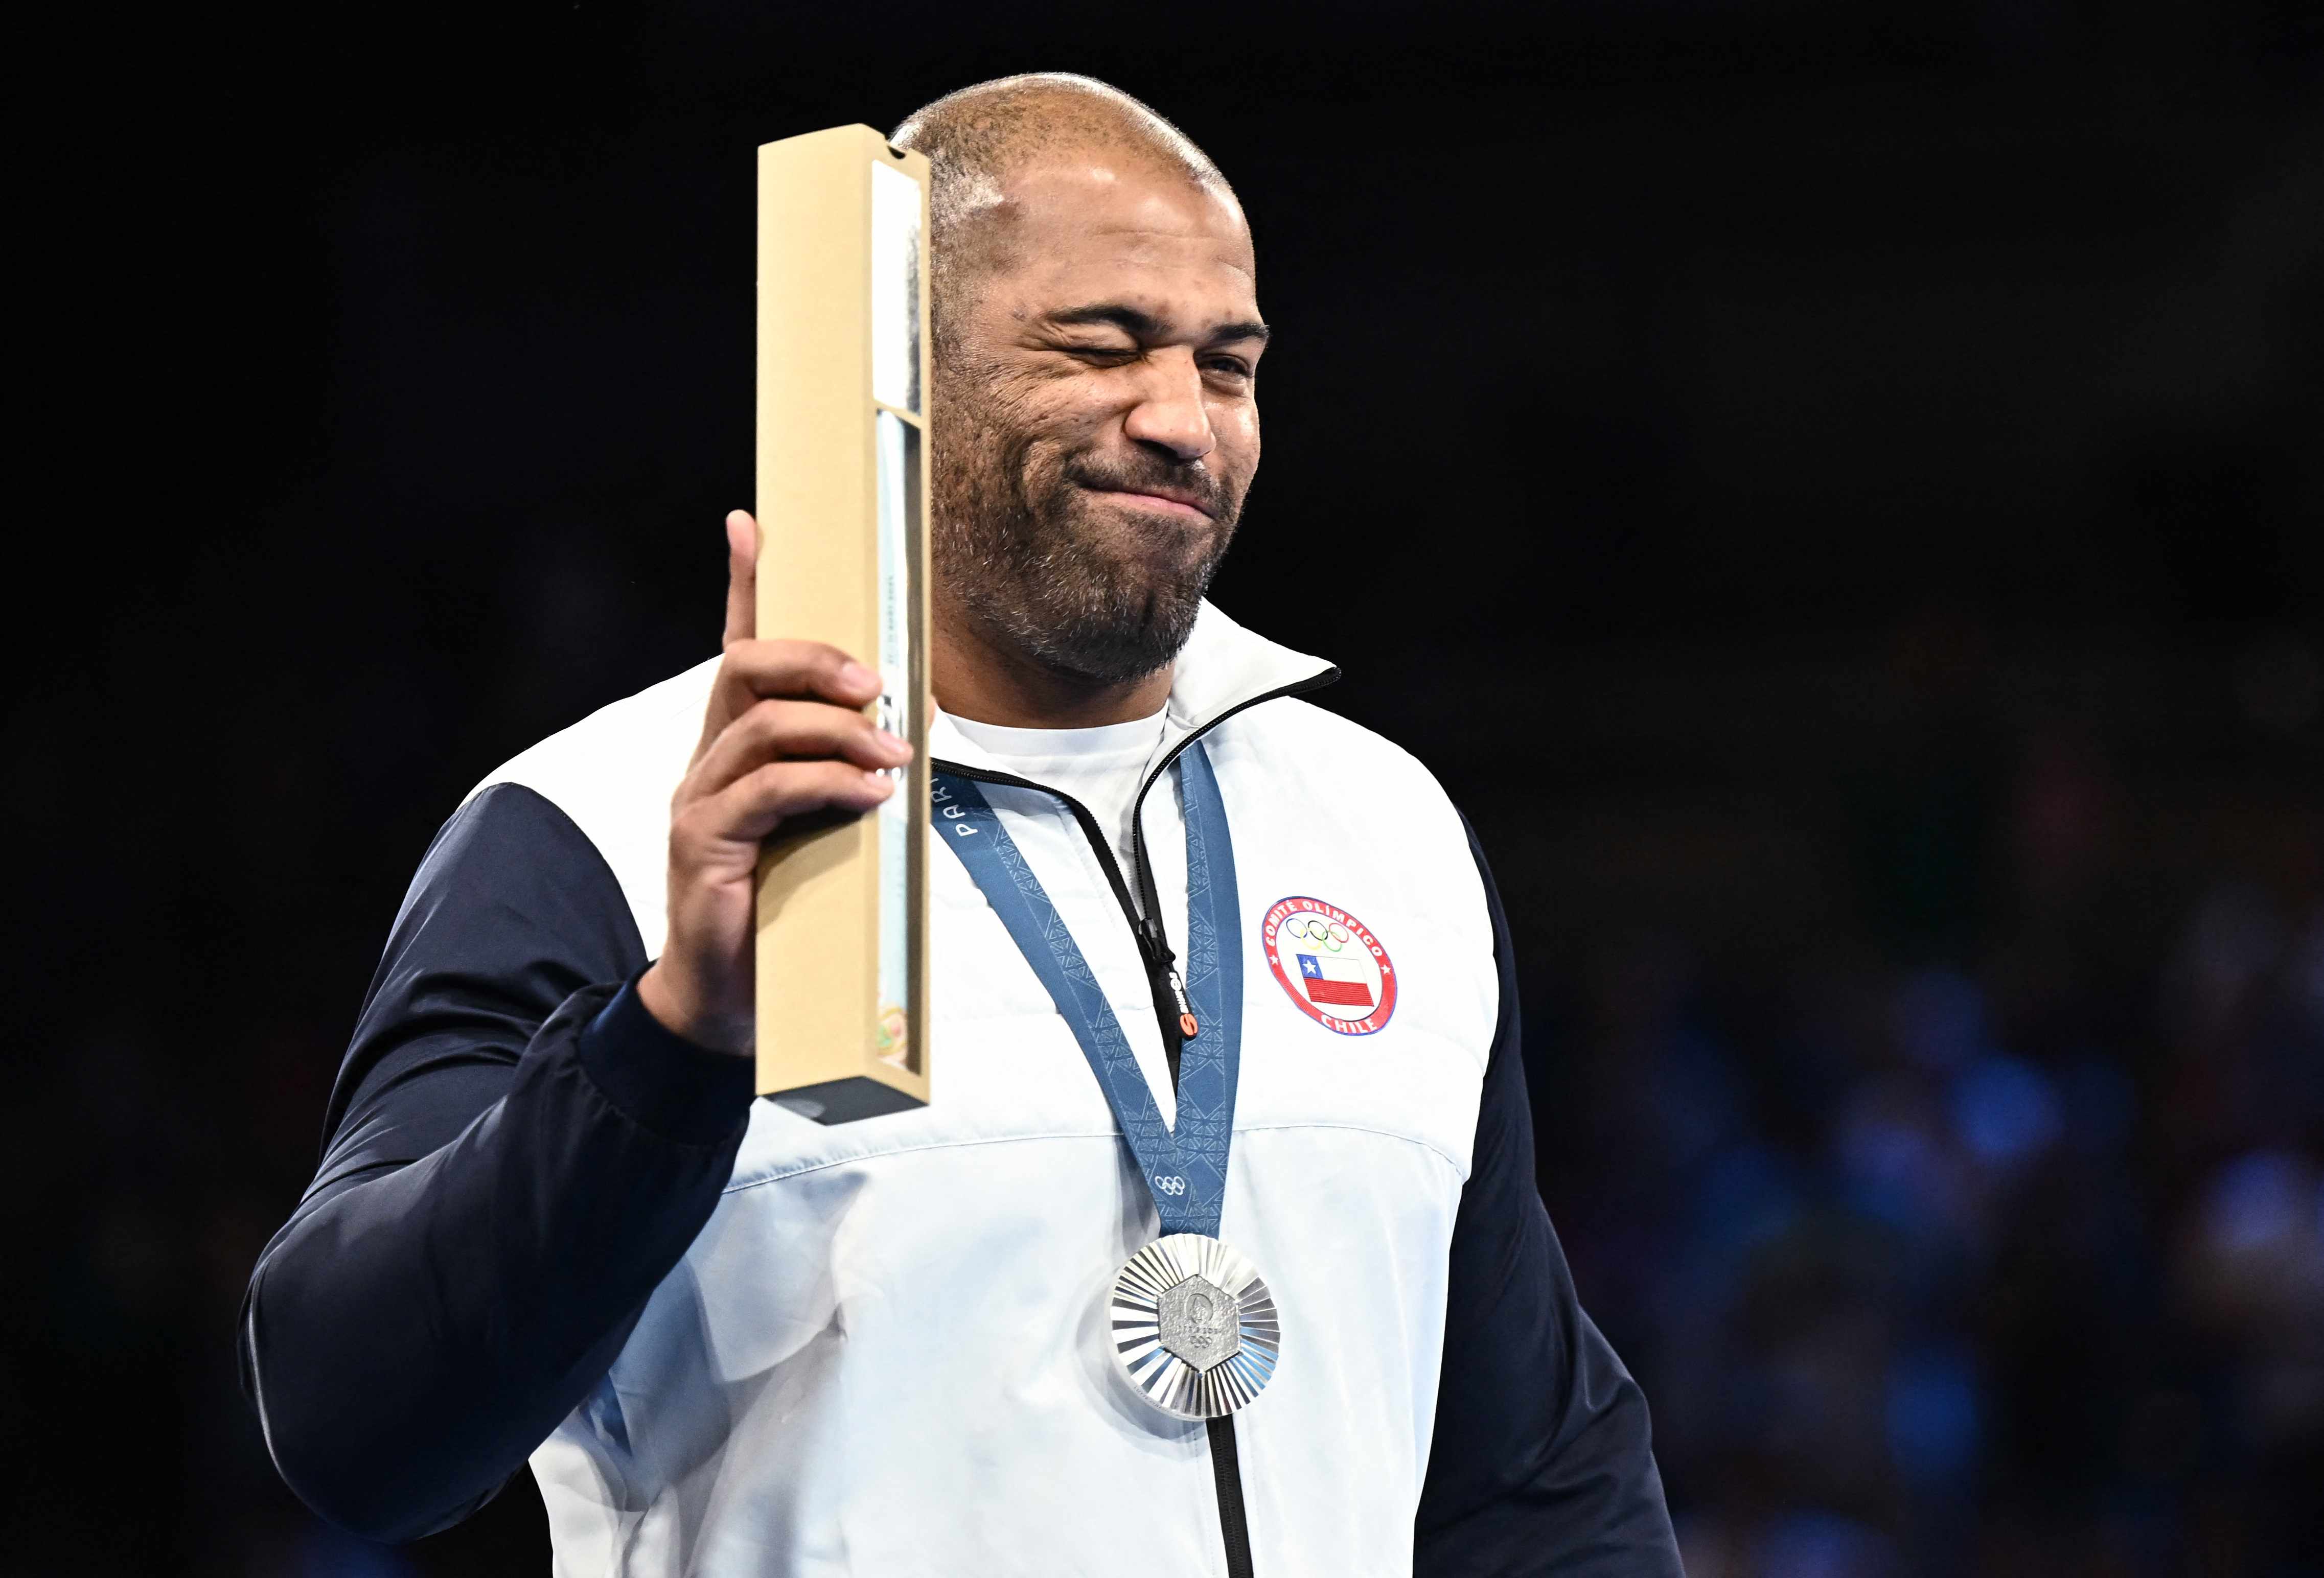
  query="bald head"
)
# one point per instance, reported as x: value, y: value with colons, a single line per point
x: 981, y: 140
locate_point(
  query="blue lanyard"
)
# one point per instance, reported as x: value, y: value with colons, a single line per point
x: 1185, y: 1168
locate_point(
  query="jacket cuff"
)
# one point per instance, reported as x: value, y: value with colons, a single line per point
x: 661, y: 1080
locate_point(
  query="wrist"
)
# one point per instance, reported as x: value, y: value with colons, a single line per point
x: 663, y: 993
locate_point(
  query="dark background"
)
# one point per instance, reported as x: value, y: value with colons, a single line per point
x: 1834, y: 491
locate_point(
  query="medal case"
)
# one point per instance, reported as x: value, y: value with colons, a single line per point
x: 843, y: 479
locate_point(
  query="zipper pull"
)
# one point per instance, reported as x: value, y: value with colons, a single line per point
x: 1188, y: 1026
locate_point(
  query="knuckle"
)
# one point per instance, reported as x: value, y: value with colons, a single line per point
x: 746, y: 657
x: 784, y: 667
x: 820, y: 728
x: 772, y: 784
x: 764, y: 721
x: 828, y: 661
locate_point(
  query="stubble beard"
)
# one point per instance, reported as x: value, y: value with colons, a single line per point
x: 1024, y: 556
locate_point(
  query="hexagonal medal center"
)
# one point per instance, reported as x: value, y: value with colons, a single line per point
x: 1198, y: 1323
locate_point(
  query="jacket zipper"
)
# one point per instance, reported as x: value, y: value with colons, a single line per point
x: 1172, y: 1012
x: 1169, y: 992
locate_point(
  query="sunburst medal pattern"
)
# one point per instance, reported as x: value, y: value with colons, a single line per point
x: 1195, y: 1327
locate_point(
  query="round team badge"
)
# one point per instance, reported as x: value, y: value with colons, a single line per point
x: 1332, y: 969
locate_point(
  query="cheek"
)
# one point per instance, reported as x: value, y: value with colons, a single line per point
x: 1053, y: 415
x: 1236, y: 429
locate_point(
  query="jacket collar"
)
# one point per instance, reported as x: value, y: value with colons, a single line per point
x: 1222, y: 669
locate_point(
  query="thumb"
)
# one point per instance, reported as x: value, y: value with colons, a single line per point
x: 741, y: 577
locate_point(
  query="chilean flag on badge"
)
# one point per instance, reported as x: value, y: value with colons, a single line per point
x: 1338, y: 982
x: 1330, y: 966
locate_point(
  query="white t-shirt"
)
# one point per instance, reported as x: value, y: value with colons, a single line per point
x: 1101, y: 768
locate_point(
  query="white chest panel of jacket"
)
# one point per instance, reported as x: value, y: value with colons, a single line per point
x: 886, y: 1353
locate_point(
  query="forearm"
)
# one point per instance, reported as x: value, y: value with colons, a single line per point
x: 414, y: 1333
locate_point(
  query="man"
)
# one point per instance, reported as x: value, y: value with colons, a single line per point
x: 551, y: 1223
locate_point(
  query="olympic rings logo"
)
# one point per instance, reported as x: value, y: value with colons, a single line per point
x: 1169, y: 1186
x: 1314, y: 929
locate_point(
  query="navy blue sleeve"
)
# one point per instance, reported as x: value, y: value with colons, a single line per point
x: 1542, y: 1462
x: 516, y: 1153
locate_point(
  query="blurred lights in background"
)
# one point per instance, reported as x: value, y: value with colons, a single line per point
x: 1857, y: 559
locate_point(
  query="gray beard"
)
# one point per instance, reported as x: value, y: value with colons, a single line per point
x: 1026, y: 571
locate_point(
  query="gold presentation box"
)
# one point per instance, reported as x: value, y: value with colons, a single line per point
x: 843, y: 478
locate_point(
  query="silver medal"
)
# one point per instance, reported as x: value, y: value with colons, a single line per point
x: 1195, y: 1327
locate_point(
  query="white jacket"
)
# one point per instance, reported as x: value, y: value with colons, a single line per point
x: 883, y: 1350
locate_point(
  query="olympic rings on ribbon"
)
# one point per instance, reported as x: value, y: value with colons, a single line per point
x: 1314, y: 929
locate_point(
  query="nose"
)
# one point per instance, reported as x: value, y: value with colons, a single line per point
x: 1170, y: 413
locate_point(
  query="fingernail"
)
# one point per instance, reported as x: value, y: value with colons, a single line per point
x: 893, y: 743
x: 855, y: 676
x: 881, y: 782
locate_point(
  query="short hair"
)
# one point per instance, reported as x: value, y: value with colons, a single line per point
x: 976, y: 136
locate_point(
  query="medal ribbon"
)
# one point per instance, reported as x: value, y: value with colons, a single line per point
x: 1186, y: 1167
